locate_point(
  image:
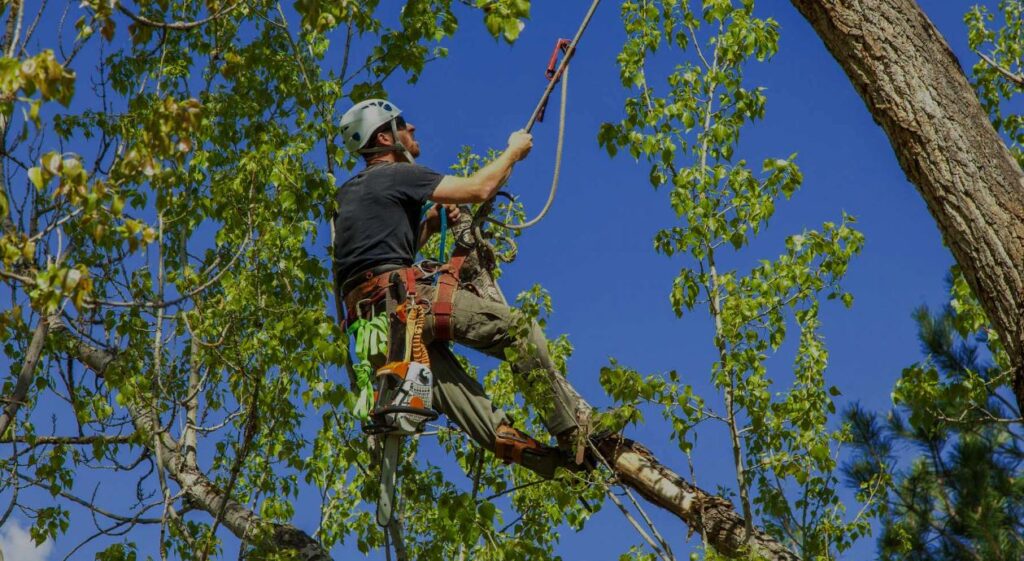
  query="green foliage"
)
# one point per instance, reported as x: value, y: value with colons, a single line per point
x: 119, y: 552
x: 688, y: 130
x: 186, y: 242
x: 1000, y: 79
x: 962, y: 497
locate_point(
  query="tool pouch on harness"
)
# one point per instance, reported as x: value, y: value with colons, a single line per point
x: 404, y: 385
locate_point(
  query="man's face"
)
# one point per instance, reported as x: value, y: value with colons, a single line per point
x: 407, y: 136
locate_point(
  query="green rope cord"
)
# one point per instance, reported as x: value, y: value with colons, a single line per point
x: 371, y: 340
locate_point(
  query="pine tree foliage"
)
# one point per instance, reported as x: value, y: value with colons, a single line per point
x: 947, y: 461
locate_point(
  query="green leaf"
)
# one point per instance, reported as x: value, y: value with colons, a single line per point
x: 35, y: 175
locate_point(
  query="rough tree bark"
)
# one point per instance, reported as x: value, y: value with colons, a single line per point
x: 706, y: 514
x: 916, y: 90
x: 201, y: 492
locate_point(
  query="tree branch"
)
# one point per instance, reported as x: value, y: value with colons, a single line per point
x: 1015, y: 78
x: 177, y: 25
x: 636, y: 467
x: 69, y: 440
x: 28, y: 368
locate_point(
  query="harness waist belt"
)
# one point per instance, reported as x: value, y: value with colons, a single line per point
x: 365, y: 275
x: 369, y: 287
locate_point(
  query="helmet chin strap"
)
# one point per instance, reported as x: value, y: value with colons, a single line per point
x: 396, y: 147
x: 398, y: 144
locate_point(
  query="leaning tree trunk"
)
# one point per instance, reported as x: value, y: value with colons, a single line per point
x: 706, y: 514
x: 916, y: 90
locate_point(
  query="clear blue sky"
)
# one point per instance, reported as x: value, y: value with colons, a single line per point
x: 594, y: 251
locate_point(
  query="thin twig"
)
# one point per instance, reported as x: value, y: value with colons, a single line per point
x: 161, y: 304
x: 249, y: 433
x: 636, y: 525
x: 32, y: 27
x: 137, y: 519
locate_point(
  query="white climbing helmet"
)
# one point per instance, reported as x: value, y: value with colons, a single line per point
x: 359, y: 122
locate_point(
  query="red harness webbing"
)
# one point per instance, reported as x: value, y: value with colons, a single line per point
x: 446, y: 285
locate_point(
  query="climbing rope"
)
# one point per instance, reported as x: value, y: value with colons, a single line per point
x: 558, y: 162
x: 562, y: 73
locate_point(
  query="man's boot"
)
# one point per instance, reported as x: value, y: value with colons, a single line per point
x: 514, y: 446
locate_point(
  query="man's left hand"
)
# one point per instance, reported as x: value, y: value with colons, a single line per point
x: 433, y: 218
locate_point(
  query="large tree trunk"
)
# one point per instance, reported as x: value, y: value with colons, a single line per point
x: 916, y: 90
x: 706, y: 514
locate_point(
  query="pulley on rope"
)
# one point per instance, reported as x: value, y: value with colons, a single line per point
x: 552, y: 74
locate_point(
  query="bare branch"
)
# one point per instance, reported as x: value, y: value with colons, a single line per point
x: 1015, y: 78
x: 177, y: 25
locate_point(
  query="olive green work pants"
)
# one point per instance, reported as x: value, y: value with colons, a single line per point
x: 489, y: 327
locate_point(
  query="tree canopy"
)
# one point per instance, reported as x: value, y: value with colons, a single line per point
x: 175, y: 358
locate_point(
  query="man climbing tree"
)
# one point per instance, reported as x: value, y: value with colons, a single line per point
x: 378, y: 232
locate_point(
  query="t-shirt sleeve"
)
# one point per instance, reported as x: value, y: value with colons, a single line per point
x: 416, y: 182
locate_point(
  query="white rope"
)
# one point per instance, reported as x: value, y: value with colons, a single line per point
x: 558, y: 161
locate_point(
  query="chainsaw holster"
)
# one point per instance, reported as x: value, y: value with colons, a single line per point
x: 404, y: 384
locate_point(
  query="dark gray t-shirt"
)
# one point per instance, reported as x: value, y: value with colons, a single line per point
x: 379, y: 216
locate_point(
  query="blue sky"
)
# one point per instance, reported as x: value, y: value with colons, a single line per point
x: 594, y: 251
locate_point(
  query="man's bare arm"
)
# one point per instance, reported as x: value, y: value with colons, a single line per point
x: 483, y: 184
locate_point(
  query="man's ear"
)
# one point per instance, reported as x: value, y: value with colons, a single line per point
x: 385, y: 139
